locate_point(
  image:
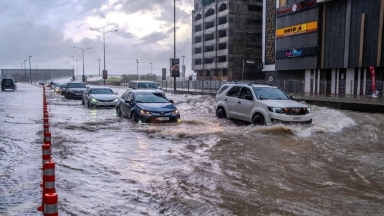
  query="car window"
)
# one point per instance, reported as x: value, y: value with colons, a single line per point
x: 234, y: 91
x: 147, y: 85
x: 270, y: 93
x: 76, y: 85
x: 130, y: 96
x: 101, y: 91
x: 245, y: 91
x: 222, y: 89
x: 151, y: 98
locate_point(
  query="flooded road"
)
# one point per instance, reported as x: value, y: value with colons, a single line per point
x: 106, y: 165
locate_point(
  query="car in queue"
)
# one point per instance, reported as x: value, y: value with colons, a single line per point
x: 259, y: 104
x: 147, y: 106
x: 74, y: 90
x: 8, y: 83
x: 99, y: 97
x: 58, y: 87
x: 144, y: 85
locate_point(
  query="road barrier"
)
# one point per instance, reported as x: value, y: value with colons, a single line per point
x: 49, y: 200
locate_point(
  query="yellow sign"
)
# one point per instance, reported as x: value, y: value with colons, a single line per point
x: 297, y: 29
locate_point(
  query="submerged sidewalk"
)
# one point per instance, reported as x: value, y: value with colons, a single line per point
x: 353, y: 103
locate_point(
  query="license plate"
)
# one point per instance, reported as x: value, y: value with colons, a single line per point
x: 296, y: 118
x: 163, y: 118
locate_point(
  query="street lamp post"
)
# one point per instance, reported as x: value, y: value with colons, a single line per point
x: 137, y: 62
x: 21, y: 66
x: 77, y: 67
x: 103, y: 32
x: 25, y: 71
x: 73, y: 62
x: 151, y: 67
x: 30, y: 70
x: 99, y: 66
x: 82, y: 49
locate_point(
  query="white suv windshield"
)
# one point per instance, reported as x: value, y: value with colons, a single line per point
x: 270, y: 93
x: 142, y: 85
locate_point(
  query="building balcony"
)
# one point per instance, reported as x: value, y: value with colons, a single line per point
x: 223, y: 39
x: 222, y: 52
x: 222, y: 26
x: 210, y: 42
x: 222, y: 65
x: 198, y: 56
x: 210, y: 54
x: 199, y: 33
x: 210, y: 18
x: 223, y: 13
x: 197, y: 45
x: 200, y: 21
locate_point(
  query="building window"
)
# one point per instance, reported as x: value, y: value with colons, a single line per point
x: 197, y: 28
x: 209, y: 37
x: 215, y: 73
x: 221, y: 59
x: 222, y: 46
x: 207, y: 73
x: 209, y: 25
x: 209, y: 48
x: 223, y: 33
x: 255, y: 8
x: 208, y: 60
x: 197, y: 39
x: 209, y: 12
x: 225, y: 73
x: 197, y: 61
x: 198, y: 17
x: 197, y: 50
x: 196, y: 6
x: 222, y: 20
x: 222, y: 7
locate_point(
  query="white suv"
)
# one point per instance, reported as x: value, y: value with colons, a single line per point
x: 143, y: 84
x: 259, y: 104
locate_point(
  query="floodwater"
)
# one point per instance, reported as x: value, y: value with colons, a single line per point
x: 106, y: 165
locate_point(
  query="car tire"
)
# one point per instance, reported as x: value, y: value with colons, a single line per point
x: 135, y: 118
x: 220, y: 113
x: 258, y: 119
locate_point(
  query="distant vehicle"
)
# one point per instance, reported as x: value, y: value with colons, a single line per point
x: 147, y: 106
x: 144, y: 85
x: 74, y: 90
x: 259, y: 104
x: 58, y: 87
x: 99, y: 97
x: 8, y: 83
x: 40, y: 82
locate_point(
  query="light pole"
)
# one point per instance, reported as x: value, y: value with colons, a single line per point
x: 137, y: 62
x: 77, y: 67
x: 183, y: 69
x: 21, y: 65
x: 25, y: 71
x: 30, y: 70
x: 103, y: 32
x: 151, y: 67
x: 99, y: 66
x: 82, y: 49
x: 73, y: 62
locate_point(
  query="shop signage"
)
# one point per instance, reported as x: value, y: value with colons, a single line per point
x: 293, y: 8
x: 297, y: 29
x: 296, y: 52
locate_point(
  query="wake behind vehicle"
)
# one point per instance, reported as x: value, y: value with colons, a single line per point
x: 99, y: 97
x: 8, y: 83
x: 259, y: 104
x: 147, y: 106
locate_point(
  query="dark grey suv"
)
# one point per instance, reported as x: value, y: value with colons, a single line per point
x: 8, y: 83
x: 74, y: 90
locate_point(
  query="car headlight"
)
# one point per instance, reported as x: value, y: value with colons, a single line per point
x: 175, y: 111
x: 116, y: 100
x: 145, y: 112
x: 308, y: 110
x: 94, y: 100
x: 276, y: 110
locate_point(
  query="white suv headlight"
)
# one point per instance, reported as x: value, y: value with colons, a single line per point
x: 276, y: 110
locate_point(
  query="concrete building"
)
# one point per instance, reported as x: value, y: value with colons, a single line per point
x: 227, y: 39
x: 332, y: 45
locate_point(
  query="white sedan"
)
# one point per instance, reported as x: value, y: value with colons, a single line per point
x: 99, y: 97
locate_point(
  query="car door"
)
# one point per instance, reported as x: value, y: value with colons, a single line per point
x: 122, y: 104
x: 231, y: 99
x: 244, y: 105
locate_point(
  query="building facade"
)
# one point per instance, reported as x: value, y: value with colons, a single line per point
x: 335, y: 46
x: 227, y: 39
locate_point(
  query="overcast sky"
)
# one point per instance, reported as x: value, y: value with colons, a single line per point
x: 48, y: 30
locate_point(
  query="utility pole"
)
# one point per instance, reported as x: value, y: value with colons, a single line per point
x: 73, y: 62
x: 99, y: 66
